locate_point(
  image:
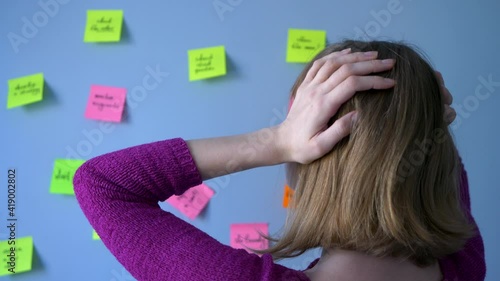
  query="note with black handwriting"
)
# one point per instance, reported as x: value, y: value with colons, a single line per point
x: 246, y: 236
x: 192, y: 202
x: 304, y: 44
x: 25, y: 90
x: 62, y: 176
x: 103, y: 26
x: 207, y: 63
x: 16, y: 255
x: 106, y: 103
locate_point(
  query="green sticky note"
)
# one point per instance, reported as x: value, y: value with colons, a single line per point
x: 304, y: 44
x: 17, y: 255
x: 95, y: 236
x: 207, y: 63
x: 62, y: 176
x: 25, y: 90
x: 103, y: 26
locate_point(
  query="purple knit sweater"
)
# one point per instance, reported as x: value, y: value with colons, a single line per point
x: 119, y: 194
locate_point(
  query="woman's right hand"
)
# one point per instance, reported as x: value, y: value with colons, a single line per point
x: 449, y: 112
x: 332, y: 80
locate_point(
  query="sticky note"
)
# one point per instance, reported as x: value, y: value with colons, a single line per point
x: 25, y: 90
x: 207, y: 63
x: 95, y: 236
x: 192, y: 202
x: 62, y: 176
x: 17, y: 255
x: 287, y: 196
x: 304, y: 44
x: 103, y: 26
x: 106, y: 103
x: 245, y: 236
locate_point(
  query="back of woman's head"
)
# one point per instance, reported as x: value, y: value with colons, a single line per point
x: 390, y: 188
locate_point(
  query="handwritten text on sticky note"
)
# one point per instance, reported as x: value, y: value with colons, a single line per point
x: 245, y: 236
x: 16, y: 255
x: 25, y: 90
x: 62, y: 176
x: 287, y: 196
x: 192, y: 202
x: 303, y: 44
x: 103, y: 26
x: 106, y: 103
x: 207, y: 63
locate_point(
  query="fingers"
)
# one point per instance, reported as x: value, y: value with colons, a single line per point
x: 317, y: 64
x: 345, y: 90
x: 330, y: 65
x: 447, y: 97
x: 449, y: 114
x: 320, y: 62
x: 439, y: 77
x: 336, y: 132
x: 357, y: 69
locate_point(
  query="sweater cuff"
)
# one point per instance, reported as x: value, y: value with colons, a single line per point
x: 188, y: 172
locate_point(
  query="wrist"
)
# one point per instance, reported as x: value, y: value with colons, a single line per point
x: 277, y: 144
x: 264, y: 147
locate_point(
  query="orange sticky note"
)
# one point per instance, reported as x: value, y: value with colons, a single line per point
x: 287, y: 196
x: 246, y: 235
x: 106, y: 103
x: 192, y: 202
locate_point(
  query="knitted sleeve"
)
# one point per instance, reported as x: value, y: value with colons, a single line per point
x: 119, y: 194
x: 469, y: 263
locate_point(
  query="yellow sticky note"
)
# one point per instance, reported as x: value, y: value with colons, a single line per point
x: 62, y: 176
x: 95, y: 236
x: 25, y: 90
x: 304, y: 44
x: 207, y: 63
x: 103, y: 26
x: 16, y: 255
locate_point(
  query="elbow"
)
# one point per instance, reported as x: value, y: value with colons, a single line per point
x: 80, y: 179
x: 83, y: 183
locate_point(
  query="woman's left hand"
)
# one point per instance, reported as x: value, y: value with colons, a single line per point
x: 331, y: 81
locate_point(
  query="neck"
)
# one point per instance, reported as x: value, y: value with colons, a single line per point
x: 337, y: 264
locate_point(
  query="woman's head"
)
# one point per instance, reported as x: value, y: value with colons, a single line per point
x: 391, y: 187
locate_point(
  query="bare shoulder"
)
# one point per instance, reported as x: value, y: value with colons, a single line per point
x: 430, y: 273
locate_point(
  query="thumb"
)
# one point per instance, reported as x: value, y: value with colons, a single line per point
x: 338, y: 130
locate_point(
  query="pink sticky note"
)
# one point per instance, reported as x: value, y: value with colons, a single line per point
x: 247, y: 235
x: 192, y: 202
x: 106, y: 103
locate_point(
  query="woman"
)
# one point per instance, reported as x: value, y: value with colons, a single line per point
x: 379, y: 209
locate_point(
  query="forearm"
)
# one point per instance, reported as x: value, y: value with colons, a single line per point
x: 220, y: 156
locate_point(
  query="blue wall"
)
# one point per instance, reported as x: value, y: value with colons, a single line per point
x: 460, y: 37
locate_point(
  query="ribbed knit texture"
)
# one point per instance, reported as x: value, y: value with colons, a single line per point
x: 119, y: 194
x: 469, y: 263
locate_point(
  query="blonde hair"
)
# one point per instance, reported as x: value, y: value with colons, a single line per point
x: 390, y: 188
